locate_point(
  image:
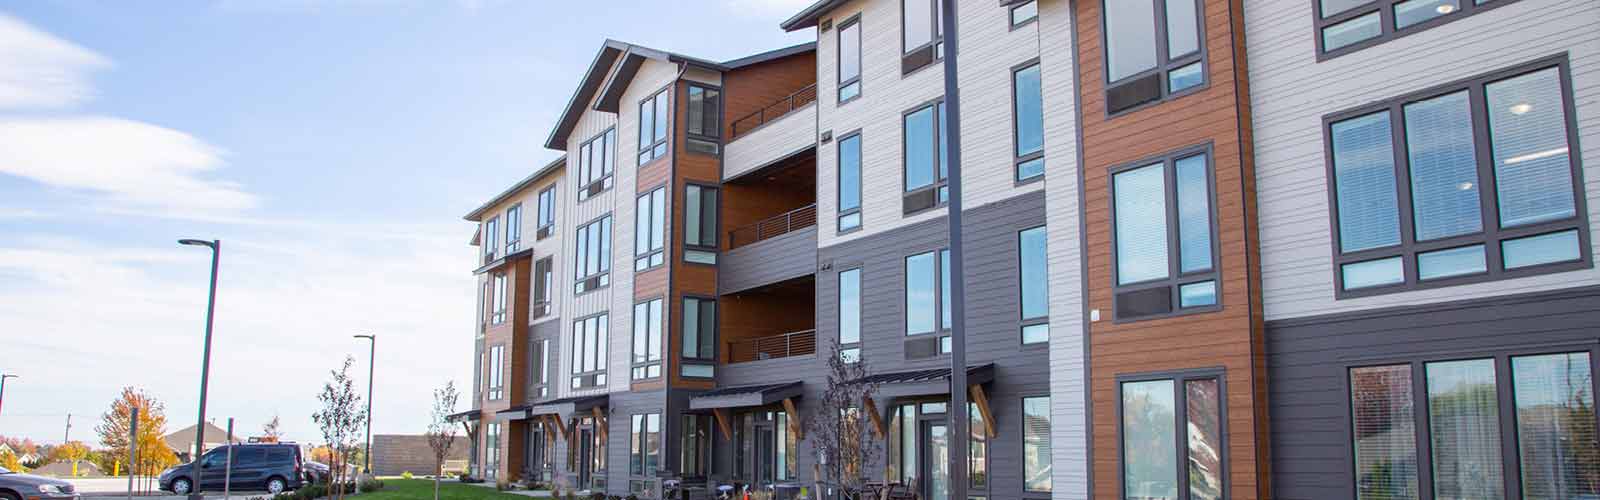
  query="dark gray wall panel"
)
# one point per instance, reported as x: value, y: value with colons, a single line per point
x: 789, y: 256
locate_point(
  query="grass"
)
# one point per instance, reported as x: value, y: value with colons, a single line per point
x: 422, y: 489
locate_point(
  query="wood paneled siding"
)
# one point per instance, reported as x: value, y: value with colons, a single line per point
x: 1297, y: 244
x: 1310, y: 358
x: 1230, y: 338
x: 688, y: 279
x: 753, y: 87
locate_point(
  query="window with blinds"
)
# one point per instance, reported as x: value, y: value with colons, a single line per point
x: 1383, y: 428
x: 1163, y: 227
x: 1555, y: 427
x: 1464, y: 429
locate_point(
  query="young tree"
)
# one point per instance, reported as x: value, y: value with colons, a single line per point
x: 9, y: 461
x: 75, y: 452
x: 113, y: 431
x: 839, y: 430
x: 340, y: 416
x: 271, y: 431
x: 441, y: 431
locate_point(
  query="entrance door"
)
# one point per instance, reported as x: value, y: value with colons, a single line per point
x: 535, y: 454
x: 766, y: 454
x: 586, y: 453
x: 935, y: 444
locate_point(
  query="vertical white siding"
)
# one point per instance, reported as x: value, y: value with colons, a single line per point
x: 1291, y: 92
x: 590, y: 125
x: 552, y: 245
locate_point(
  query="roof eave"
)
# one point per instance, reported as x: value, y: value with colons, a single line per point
x: 476, y: 215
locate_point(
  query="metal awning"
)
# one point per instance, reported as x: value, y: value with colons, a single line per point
x: 512, y: 413
x: 567, y: 407
x: 750, y: 395
x: 925, y: 382
x: 464, y: 416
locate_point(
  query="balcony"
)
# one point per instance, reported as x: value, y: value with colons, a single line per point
x: 801, y: 343
x: 771, y: 112
x: 776, y: 320
x: 771, y: 227
x: 774, y: 217
x: 772, y: 134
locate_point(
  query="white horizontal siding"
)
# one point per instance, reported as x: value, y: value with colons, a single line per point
x: 989, y: 51
x: 780, y: 138
x: 1291, y: 92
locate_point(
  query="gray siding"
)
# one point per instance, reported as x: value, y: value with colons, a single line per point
x: 1308, y: 361
x: 789, y: 256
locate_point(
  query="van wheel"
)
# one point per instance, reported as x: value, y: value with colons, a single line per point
x: 181, y: 486
x: 6, y: 495
x: 276, y: 485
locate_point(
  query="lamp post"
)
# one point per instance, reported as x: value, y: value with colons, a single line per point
x: 958, y: 459
x: 372, y: 357
x: 3, y: 378
x: 205, y: 360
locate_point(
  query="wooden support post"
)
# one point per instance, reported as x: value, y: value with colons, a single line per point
x: 872, y: 413
x: 722, y: 423
x: 794, y: 419
x: 600, y: 423
x: 982, y: 402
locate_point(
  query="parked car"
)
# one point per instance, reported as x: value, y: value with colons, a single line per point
x: 274, y: 468
x: 17, y: 486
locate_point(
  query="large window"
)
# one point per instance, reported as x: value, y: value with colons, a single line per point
x: 513, y: 228
x: 589, y: 351
x: 928, y: 298
x: 497, y: 370
x: 499, y: 315
x: 650, y: 229
x: 547, y: 212
x: 653, y: 114
x: 925, y: 158
x: 1546, y: 450
x: 644, y: 445
x: 700, y: 224
x: 1027, y: 121
x: 591, y: 262
x: 1153, y: 50
x: 850, y: 59
x: 491, y: 239
x: 1172, y: 432
x: 647, y: 340
x: 1036, y: 455
x: 1034, y: 282
x: 1464, y: 183
x: 850, y: 314
x: 491, y: 452
x: 849, y: 182
x: 543, y: 286
x: 695, y: 441
x: 1345, y: 26
x: 1165, y: 253
x: 922, y: 40
x: 699, y: 337
x: 596, y: 160
x: 541, y: 368
x: 705, y: 119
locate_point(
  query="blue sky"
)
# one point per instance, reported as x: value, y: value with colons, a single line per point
x: 331, y: 145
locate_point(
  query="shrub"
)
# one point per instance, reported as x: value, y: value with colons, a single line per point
x: 370, y: 484
x: 405, y: 475
x: 571, y: 496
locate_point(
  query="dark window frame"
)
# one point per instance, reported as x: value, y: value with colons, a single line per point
x: 588, y: 379
x: 513, y: 228
x: 1016, y: 132
x: 1386, y: 23
x: 601, y: 276
x: 696, y: 244
x: 1165, y: 64
x: 1180, y: 423
x: 838, y: 47
x: 1022, y: 438
x: 1011, y: 15
x: 1023, y: 321
x: 491, y: 243
x: 715, y: 116
x: 640, y: 369
x: 640, y: 438
x: 838, y: 186
x: 1175, y: 279
x: 652, y: 257
x: 499, y: 299
x: 701, y: 358
x: 1491, y: 236
x: 497, y: 372
x: 662, y: 143
x: 940, y: 183
x: 838, y: 310
x: 1511, y: 465
x: 588, y: 184
x: 915, y: 58
x: 941, y: 334
x: 543, y: 289
x: 539, y: 380
x: 547, y: 214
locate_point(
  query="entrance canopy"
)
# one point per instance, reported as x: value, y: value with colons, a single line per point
x: 750, y: 395
x: 930, y: 382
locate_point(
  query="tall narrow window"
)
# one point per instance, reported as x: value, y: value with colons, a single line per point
x: 850, y: 314
x: 925, y: 158
x: 1036, y: 455
x: 596, y: 161
x: 700, y: 224
x: 650, y: 229
x: 1034, y: 282
x: 849, y: 182
x: 653, y: 114
x: 1028, y: 121
x: 977, y: 450
x: 694, y: 447
x: 927, y: 286
x: 1157, y: 205
x: 699, y: 337
x: 850, y: 59
x: 1555, y: 428
x: 497, y: 369
x: 1464, y: 422
x: 1140, y: 68
x: 547, y: 212
x: 1384, y: 432
x: 922, y: 38
x: 705, y: 119
x: 543, y: 285
x: 647, y: 340
x: 644, y: 442
x: 1157, y: 416
x: 499, y: 299
x: 1448, y: 209
x: 513, y: 228
x: 541, y: 368
x: 491, y: 239
x: 589, y: 338
x: 592, y: 260
x: 492, y: 452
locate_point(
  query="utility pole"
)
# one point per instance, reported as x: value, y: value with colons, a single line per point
x: 205, y: 361
x: 959, y: 434
x: 133, y: 450
x: 66, y: 437
x: 3, y: 378
x: 372, y: 358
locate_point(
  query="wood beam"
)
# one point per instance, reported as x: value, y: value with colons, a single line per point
x: 722, y: 423
x: 872, y: 413
x: 982, y: 402
x: 794, y: 419
x: 600, y: 423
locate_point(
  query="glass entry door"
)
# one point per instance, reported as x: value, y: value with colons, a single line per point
x: 586, y: 453
x: 935, y: 438
x: 535, y: 456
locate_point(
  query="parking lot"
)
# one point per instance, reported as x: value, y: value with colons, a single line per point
x: 118, y: 487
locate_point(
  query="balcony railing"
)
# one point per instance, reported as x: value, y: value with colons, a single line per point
x: 799, y: 343
x: 770, y: 112
x: 771, y: 227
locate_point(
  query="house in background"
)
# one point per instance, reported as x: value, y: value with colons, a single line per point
x: 182, y: 441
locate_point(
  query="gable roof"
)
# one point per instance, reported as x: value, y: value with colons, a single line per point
x: 477, y: 213
x: 809, y: 16
x: 182, y: 440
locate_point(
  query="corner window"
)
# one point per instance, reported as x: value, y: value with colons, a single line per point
x: 925, y: 158
x: 849, y: 182
x: 849, y: 59
x: 1034, y: 282
x: 1345, y: 26
x: 596, y: 160
x: 1470, y: 182
x: 922, y: 34
x: 700, y: 224
x: 491, y: 239
x: 644, y: 445
x: 850, y: 314
x: 1036, y: 454
x: 1172, y: 443
x: 499, y: 315
x: 1024, y: 13
x: 591, y: 262
x: 699, y: 337
x: 513, y: 228
x: 589, y: 337
x: 497, y: 368
x: 647, y: 340
x: 1153, y: 50
x: 928, y: 301
x: 653, y: 115
x: 547, y: 212
x: 1027, y: 135
x: 705, y: 120
x: 650, y: 230
x: 1163, y: 225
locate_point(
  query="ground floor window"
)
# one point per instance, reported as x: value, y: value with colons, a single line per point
x: 491, y: 453
x: 765, y: 448
x: 1171, y: 428
x: 695, y: 448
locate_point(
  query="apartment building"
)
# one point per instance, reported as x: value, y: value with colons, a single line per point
x: 1213, y: 249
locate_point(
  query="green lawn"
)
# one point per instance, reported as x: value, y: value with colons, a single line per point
x: 422, y: 489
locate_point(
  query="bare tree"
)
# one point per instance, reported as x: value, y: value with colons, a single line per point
x: 839, y: 429
x: 340, y: 416
x: 441, y: 431
x: 271, y: 430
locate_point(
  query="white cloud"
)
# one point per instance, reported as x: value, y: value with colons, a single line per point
x: 38, y: 70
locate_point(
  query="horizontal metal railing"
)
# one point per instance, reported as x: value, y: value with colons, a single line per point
x: 799, y: 343
x: 770, y: 112
x: 777, y: 225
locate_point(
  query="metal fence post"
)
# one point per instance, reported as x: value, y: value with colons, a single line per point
x: 133, y: 450
x: 227, y: 470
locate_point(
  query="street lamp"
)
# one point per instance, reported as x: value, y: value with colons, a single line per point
x: 205, y: 360
x: 3, y: 378
x: 372, y: 357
